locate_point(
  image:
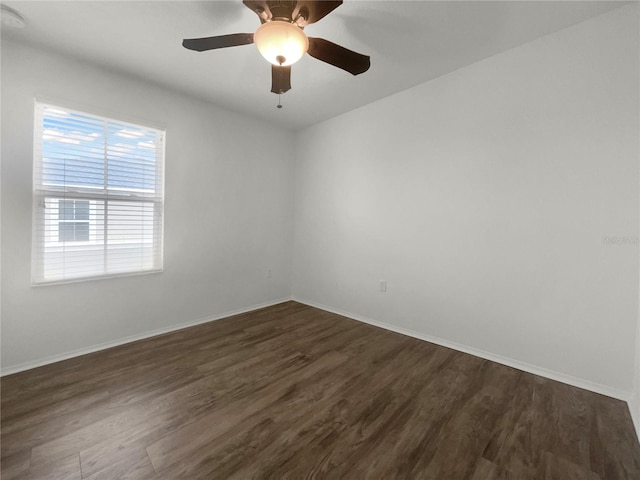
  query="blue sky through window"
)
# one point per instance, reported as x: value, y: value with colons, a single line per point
x: 84, y: 151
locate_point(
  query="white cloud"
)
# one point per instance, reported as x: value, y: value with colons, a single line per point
x: 74, y: 138
x: 58, y: 136
x: 147, y: 144
x: 126, y: 133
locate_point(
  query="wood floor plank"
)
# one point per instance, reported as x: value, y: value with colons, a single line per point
x: 165, y: 412
x: 291, y: 391
x: 41, y: 426
x: 486, y: 470
x: 171, y: 448
x: 17, y: 465
x: 67, y: 468
x: 613, y: 442
x: 554, y: 467
x: 237, y: 447
x: 309, y: 431
x: 467, y: 434
x: 136, y: 465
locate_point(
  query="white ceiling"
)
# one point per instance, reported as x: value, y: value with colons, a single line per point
x: 409, y: 42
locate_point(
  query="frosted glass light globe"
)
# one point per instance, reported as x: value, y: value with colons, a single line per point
x: 281, y: 43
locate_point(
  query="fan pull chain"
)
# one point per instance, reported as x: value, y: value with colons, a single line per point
x: 279, y: 103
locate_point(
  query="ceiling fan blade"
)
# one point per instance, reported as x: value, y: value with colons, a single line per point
x: 352, y: 62
x: 312, y: 10
x: 280, y: 79
x: 260, y: 7
x: 221, y: 41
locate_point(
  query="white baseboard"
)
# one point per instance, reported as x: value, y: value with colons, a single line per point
x: 132, y: 338
x: 526, y: 367
x: 634, y: 403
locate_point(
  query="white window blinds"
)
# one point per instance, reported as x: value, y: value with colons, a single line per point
x: 98, y: 196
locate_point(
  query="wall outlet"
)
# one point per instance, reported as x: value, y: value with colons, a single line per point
x: 383, y: 286
x: 269, y: 273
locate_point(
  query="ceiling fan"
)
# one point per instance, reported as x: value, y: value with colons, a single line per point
x: 282, y: 41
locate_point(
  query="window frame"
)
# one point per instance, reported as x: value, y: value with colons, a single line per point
x: 41, y: 193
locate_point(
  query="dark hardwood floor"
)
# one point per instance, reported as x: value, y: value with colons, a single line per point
x: 295, y: 392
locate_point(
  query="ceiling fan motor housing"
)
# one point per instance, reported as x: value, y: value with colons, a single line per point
x: 282, y: 9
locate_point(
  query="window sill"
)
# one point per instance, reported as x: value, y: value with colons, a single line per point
x: 93, y: 278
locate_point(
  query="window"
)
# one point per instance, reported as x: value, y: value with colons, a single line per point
x: 70, y: 229
x: 98, y: 196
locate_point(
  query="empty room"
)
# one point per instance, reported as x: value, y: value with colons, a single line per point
x: 368, y: 239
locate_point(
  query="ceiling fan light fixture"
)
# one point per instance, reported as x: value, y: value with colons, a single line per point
x: 281, y: 43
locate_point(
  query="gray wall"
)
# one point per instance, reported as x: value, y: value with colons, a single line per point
x: 228, y: 216
x: 484, y: 199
